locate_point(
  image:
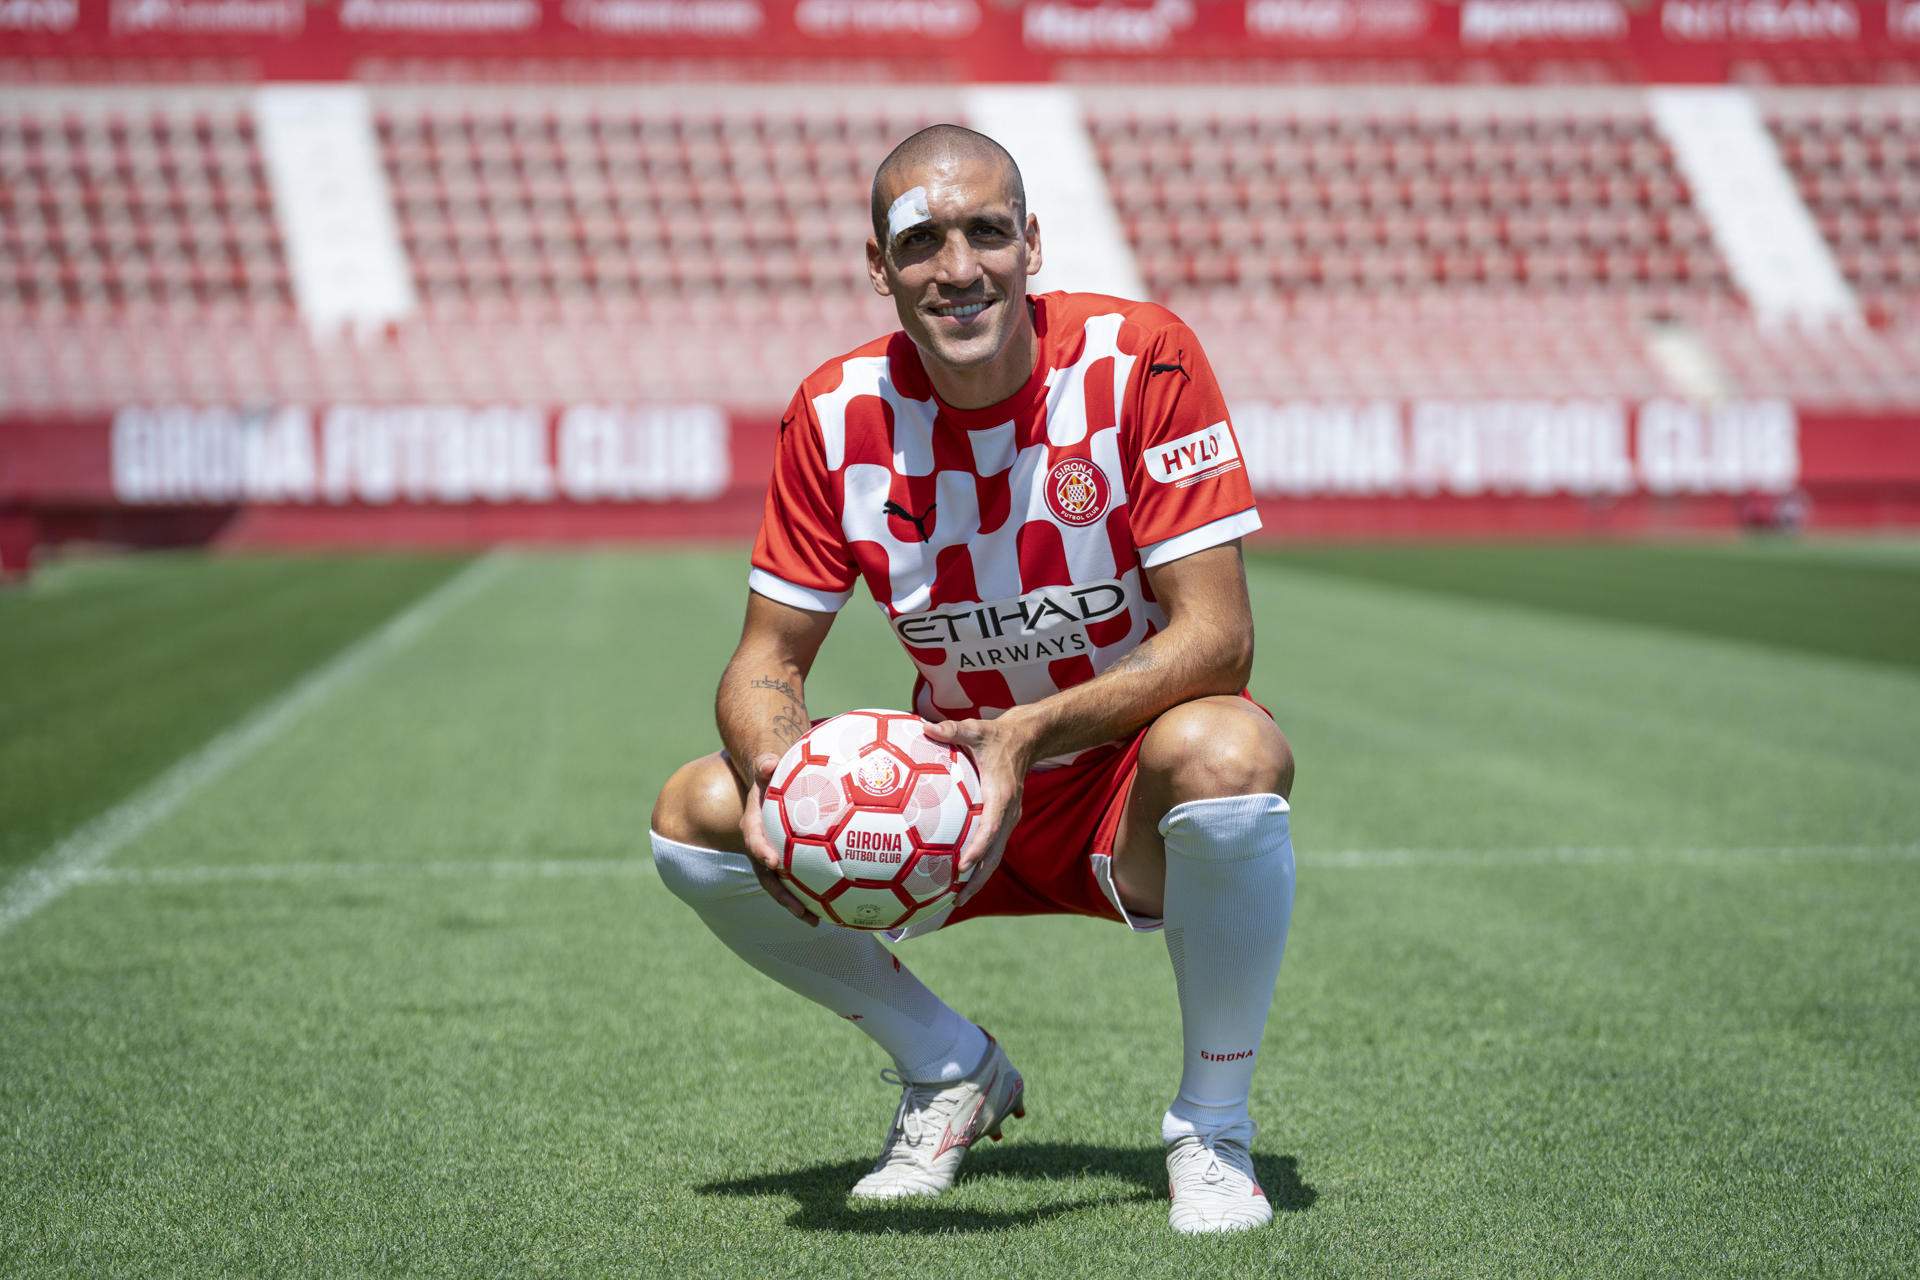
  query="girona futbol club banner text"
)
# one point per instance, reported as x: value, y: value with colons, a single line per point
x: 442, y: 475
x: 973, y: 40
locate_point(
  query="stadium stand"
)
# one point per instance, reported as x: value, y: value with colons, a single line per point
x: 698, y: 245
x: 582, y: 245
x: 137, y: 226
x: 705, y: 243
x: 1856, y: 159
x: 1446, y: 242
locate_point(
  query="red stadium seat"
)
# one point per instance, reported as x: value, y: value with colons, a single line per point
x: 628, y: 244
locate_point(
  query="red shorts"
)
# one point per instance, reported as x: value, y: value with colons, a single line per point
x: 1052, y: 866
x: 1059, y: 857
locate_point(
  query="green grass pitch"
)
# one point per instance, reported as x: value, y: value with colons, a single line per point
x: 1606, y: 958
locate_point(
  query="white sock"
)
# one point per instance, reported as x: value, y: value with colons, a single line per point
x: 847, y: 971
x: 1229, y: 897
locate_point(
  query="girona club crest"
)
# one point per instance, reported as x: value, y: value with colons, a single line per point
x: 1077, y: 492
x: 877, y: 775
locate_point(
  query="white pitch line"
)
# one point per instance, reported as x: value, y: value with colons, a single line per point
x: 271, y: 872
x: 1347, y: 859
x: 82, y: 852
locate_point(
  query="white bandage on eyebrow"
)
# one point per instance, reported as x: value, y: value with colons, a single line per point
x: 910, y: 210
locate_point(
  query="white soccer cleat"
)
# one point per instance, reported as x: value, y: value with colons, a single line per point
x: 937, y: 1123
x: 1213, y: 1187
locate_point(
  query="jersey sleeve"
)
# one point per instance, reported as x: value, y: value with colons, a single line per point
x: 1187, y: 485
x: 801, y: 556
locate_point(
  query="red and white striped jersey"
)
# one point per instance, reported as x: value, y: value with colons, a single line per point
x: 1005, y: 544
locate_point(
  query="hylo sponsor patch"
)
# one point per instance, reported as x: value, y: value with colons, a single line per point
x: 1191, y: 455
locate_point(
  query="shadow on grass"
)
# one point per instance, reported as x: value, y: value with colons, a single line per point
x: 821, y: 1189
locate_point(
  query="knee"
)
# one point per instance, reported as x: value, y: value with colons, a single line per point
x: 701, y: 805
x: 1213, y: 747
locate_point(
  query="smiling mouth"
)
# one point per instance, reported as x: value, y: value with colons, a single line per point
x: 962, y: 311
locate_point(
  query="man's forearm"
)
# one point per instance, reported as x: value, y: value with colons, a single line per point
x: 1175, y: 666
x: 761, y: 708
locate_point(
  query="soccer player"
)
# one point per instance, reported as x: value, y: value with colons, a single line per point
x: 1045, y: 495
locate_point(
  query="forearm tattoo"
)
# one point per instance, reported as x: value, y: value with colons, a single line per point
x: 781, y: 687
x: 789, y: 722
x: 789, y: 727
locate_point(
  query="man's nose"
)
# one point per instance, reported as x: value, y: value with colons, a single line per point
x: 956, y: 263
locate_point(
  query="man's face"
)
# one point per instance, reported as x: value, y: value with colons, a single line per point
x: 958, y: 278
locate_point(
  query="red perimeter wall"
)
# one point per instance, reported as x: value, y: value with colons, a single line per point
x: 438, y: 475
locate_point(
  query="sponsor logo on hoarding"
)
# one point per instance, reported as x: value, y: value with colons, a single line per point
x: 648, y: 453
x: 1734, y: 448
x: 39, y: 15
x: 419, y: 454
x: 937, y: 19
x: 453, y: 16
x: 180, y: 456
x: 1517, y: 448
x: 1517, y: 21
x: 1761, y: 20
x: 667, y: 17
x: 208, y: 17
x: 431, y: 454
x: 1104, y: 27
x: 1328, y: 20
x: 1307, y: 448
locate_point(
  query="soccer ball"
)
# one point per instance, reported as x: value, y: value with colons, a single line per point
x: 869, y: 816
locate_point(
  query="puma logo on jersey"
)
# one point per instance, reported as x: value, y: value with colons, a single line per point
x: 1191, y: 455
x: 1177, y: 366
x: 917, y: 521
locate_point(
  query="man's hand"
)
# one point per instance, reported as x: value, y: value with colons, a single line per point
x: 1002, y: 750
x: 766, y: 859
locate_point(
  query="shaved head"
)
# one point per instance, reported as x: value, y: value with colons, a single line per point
x: 934, y: 144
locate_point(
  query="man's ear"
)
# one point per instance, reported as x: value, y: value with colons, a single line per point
x: 877, y: 268
x: 1033, y: 245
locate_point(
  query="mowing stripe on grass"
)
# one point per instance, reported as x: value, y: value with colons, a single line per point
x: 1598, y: 855
x: 1339, y: 860
x: 67, y: 863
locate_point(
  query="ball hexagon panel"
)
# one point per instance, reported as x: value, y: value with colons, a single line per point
x: 909, y: 734
x: 813, y: 867
x: 868, y: 906
x: 790, y: 762
x: 929, y: 877
x: 938, y: 810
x: 842, y: 737
x: 813, y: 801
